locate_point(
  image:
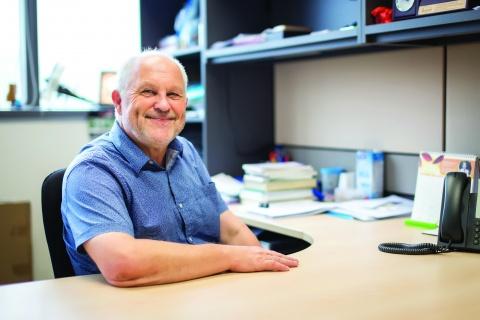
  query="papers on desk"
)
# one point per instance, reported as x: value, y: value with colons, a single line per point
x: 291, y: 208
x: 228, y: 187
x: 373, y: 209
x: 364, y: 210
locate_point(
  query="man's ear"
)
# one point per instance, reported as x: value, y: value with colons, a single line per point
x: 117, y: 101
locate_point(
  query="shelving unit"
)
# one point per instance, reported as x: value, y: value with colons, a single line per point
x: 239, y: 81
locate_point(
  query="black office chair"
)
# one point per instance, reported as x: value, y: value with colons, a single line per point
x: 53, y: 224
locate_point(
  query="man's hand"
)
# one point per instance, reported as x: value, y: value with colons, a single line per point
x: 251, y: 259
x: 244, y: 251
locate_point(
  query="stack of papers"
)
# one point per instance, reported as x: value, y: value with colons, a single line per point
x: 291, y: 208
x: 373, y: 209
x: 259, y: 197
x: 364, y: 210
x: 228, y: 187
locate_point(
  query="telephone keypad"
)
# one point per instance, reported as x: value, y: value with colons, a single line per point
x: 476, y: 235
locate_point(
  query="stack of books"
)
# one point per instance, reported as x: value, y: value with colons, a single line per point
x: 269, y: 182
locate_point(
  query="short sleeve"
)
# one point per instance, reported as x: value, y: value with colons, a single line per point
x: 94, y: 203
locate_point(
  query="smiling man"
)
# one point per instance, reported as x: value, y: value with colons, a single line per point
x: 138, y: 203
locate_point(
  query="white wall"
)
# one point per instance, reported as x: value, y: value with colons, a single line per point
x: 30, y: 149
x: 463, y: 99
x: 390, y: 101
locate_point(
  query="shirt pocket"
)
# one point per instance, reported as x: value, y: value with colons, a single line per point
x: 159, y: 223
x: 202, y: 219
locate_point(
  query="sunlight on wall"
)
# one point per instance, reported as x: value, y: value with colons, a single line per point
x: 84, y: 38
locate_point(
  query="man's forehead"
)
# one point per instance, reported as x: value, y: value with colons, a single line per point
x: 155, y: 85
x: 162, y: 65
x: 156, y: 62
x: 142, y: 82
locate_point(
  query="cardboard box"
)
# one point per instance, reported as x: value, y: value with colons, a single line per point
x: 369, y: 173
x: 15, y: 242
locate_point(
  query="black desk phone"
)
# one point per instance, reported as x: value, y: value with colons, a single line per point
x: 459, y: 227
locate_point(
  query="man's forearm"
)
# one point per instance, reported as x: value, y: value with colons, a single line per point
x: 243, y: 237
x: 234, y: 231
x: 125, y: 261
x: 156, y: 262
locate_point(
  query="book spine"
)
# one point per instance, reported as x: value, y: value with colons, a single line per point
x: 280, y: 185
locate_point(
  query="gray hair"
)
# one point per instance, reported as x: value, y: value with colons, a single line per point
x: 126, y: 73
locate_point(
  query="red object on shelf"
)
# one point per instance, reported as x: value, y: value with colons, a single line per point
x: 382, y: 14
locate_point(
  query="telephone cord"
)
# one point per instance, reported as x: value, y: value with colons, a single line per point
x: 413, y: 249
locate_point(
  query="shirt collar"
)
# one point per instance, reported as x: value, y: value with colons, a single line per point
x: 136, y: 157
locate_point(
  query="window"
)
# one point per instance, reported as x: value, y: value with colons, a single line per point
x: 77, y: 41
x: 10, y: 54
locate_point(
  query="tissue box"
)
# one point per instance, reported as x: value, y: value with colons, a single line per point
x: 369, y: 173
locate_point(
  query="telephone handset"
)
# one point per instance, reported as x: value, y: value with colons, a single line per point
x: 459, y: 227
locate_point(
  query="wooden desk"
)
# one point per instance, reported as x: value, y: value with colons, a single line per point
x: 341, y: 275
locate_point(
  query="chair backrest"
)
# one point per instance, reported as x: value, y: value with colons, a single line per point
x: 53, y: 224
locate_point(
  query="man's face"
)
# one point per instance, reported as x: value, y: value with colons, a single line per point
x: 152, y: 111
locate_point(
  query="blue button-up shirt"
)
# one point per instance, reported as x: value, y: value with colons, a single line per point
x: 112, y: 186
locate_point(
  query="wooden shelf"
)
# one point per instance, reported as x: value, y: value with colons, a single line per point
x: 425, y: 28
x: 285, y: 48
x: 31, y: 111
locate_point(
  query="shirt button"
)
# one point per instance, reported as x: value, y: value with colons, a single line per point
x: 180, y: 205
x: 190, y: 239
x: 150, y: 162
